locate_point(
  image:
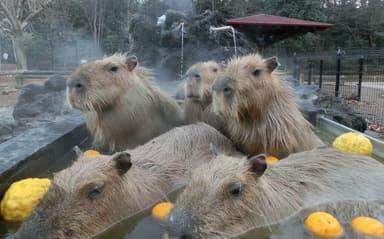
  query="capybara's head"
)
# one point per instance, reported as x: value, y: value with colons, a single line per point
x: 199, y: 79
x: 83, y: 199
x: 97, y: 85
x: 218, y: 198
x: 245, y: 87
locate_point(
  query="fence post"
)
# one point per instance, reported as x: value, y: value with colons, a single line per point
x: 309, y: 72
x: 295, y: 65
x: 361, y: 62
x: 338, y: 66
x: 321, y: 74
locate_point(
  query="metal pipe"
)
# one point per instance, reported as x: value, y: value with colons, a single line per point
x: 182, y: 50
x: 211, y: 28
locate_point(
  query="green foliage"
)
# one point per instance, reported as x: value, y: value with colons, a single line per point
x: 357, y: 23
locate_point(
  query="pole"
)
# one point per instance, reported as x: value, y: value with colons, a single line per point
x: 338, y: 66
x: 361, y: 62
x: 310, y: 72
x: 321, y: 74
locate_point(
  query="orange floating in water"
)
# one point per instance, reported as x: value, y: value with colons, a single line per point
x: 368, y: 226
x: 271, y: 159
x: 91, y: 152
x: 161, y: 210
x: 323, y: 225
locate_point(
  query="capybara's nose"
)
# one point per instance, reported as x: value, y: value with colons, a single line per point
x: 180, y: 225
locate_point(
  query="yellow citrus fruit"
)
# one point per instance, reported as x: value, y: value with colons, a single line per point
x: 271, y: 159
x: 91, y: 152
x: 21, y: 197
x: 353, y: 143
x: 323, y: 225
x: 368, y: 226
x: 161, y: 210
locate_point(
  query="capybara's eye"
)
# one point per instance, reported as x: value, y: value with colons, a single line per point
x: 235, y: 189
x: 215, y: 69
x: 256, y: 72
x: 114, y: 68
x: 227, y: 91
x: 95, y: 191
x: 197, y: 76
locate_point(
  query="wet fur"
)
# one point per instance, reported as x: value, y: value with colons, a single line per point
x: 302, y: 180
x: 123, y: 109
x: 199, y: 107
x: 262, y: 116
x: 157, y: 167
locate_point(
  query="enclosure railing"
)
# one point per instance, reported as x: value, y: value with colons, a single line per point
x: 357, y: 78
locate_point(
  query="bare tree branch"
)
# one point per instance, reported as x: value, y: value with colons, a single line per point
x: 25, y: 22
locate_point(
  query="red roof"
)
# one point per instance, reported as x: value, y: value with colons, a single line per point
x: 271, y: 20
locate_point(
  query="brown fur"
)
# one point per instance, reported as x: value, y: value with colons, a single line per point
x: 208, y: 209
x: 198, y: 94
x: 122, y: 106
x: 156, y: 168
x: 260, y: 109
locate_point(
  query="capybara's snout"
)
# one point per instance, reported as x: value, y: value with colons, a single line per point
x: 180, y: 225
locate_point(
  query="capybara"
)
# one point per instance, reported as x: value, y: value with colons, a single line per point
x: 122, y: 106
x: 231, y: 195
x: 259, y: 108
x: 198, y: 94
x: 96, y: 192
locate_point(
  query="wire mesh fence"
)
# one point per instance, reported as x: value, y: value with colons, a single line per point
x: 357, y: 78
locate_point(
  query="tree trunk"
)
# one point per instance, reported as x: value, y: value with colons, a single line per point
x: 18, y: 49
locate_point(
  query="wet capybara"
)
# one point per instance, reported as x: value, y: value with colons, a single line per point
x: 96, y: 192
x: 198, y: 94
x: 259, y: 108
x: 231, y: 195
x: 122, y: 106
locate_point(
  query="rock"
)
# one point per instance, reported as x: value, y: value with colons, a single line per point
x: 338, y: 110
x: 56, y: 83
x: 41, y: 103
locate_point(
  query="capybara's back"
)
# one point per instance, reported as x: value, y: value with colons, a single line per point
x: 230, y: 195
x: 122, y: 106
x: 96, y: 192
x: 259, y: 108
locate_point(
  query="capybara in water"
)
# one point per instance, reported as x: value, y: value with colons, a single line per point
x: 231, y: 195
x: 259, y: 108
x: 198, y: 94
x: 96, y: 192
x: 122, y: 106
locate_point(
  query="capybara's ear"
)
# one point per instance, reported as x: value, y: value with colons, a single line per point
x: 131, y: 62
x: 258, y: 164
x: 213, y: 150
x: 122, y: 162
x: 271, y: 63
x: 77, y: 151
